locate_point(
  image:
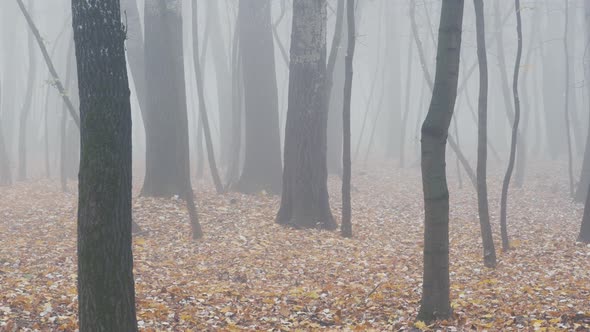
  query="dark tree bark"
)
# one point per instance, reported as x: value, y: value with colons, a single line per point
x: 566, y: 110
x: 106, y: 295
x: 435, y: 303
x: 202, y: 105
x: 5, y: 176
x: 305, y: 201
x: 26, y: 109
x: 489, y: 251
x: 506, y: 183
x: 346, y: 226
x: 262, y: 163
x: 73, y: 112
x: 428, y: 78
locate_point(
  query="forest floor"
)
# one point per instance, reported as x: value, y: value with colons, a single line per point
x: 250, y: 274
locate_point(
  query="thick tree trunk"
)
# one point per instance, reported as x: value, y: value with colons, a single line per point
x: 435, y: 303
x: 26, y: 109
x: 584, y: 182
x: 262, y: 163
x: 165, y: 116
x: 489, y: 251
x: 506, y: 183
x: 346, y: 226
x: 106, y: 295
x: 305, y: 201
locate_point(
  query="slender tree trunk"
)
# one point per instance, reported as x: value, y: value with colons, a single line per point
x: 56, y: 81
x: 305, y: 201
x: 233, y: 170
x: 506, y: 183
x: 202, y: 105
x: 584, y: 235
x: 106, y: 295
x: 489, y: 251
x: 435, y: 303
x: 429, y: 82
x: 407, y: 106
x: 5, y: 176
x: 46, y: 131
x: 26, y: 109
x: 335, y: 88
x: 262, y: 162
x: 584, y: 182
x: 566, y: 103
x: 346, y: 226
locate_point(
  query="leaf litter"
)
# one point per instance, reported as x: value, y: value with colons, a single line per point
x: 249, y: 274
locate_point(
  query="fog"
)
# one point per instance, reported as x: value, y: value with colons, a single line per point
x: 226, y: 106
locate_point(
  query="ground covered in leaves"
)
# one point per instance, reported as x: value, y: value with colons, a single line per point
x: 250, y: 274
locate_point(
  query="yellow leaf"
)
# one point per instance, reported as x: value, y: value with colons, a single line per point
x: 421, y: 325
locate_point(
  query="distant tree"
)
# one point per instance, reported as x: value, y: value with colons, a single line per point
x: 346, y: 226
x: 26, y: 109
x: 435, y: 302
x: 262, y: 162
x: 508, y: 175
x: 567, y: 96
x: 167, y: 161
x: 166, y: 123
x: 584, y: 235
x: 335, y: 90
x: 63, y: 128
x: 202, y: 104
x: 106, y: 295
x: 584, y: 182
x: 489, y: 251
x: 5, y: 176
x: 305, y: 200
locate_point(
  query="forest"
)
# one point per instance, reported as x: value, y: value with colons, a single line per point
x: 294, y: 165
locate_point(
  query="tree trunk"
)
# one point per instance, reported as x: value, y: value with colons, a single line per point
x: 584, y: 235
x: 506, y: 183
x: 489, y: 251
x: 566, y: 103
x: 584, y: 182
x: 26, y: 109
x: 305, y: 201
x: 334, y: 91
x: 233, y: 170
x: 106, y: 295
x: 5, y: 176
x: 202, y: 105
x: 435, y: 303
x: 166, y: 115
x: 262, y: 163
x: 346, y: 226
x: 407, y: 106
x: 63, y: 146
x: 223, y: 81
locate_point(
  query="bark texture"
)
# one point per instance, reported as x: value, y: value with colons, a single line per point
x: 106, y: 294
x: 435, y: 303
x: 305, y: 201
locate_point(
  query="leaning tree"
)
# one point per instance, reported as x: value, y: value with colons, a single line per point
x: 435, y: 302
x: 106, y: 295
x: 305, y: 201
